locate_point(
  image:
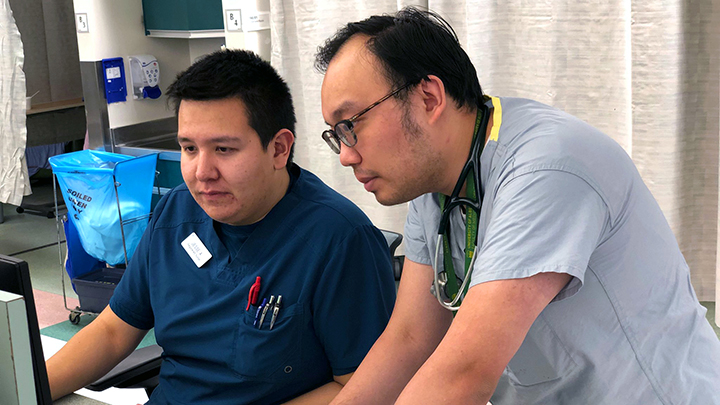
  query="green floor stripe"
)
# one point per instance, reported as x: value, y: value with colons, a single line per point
x: 66, y: 330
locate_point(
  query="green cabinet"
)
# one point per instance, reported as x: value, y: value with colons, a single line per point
x: 183, y: 18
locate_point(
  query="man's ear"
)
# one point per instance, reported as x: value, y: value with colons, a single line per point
x: 280, y: 147
x: 433, y: 97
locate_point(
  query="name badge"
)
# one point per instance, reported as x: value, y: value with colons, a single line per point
x: 196, y: 250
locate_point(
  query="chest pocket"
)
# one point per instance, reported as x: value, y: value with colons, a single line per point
x: 268, y: 355
x: 541, y: 358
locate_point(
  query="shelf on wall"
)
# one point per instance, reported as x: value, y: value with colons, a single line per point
x: 186, y: 34
x: 55, y: 106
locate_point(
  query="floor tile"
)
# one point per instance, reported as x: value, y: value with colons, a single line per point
x: 51, y: 308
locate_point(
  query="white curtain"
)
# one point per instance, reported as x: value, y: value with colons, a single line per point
x: 14, y: 182
x: 297, y: 29
x: 645, y: 72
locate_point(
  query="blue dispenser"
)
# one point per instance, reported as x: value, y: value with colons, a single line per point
x: 114, y: 75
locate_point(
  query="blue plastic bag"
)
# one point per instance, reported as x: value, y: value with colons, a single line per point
x: 77, y: 261
x: 87, y: 181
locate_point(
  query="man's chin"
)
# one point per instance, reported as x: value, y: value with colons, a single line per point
x: 386, y: 203
x: 218, y: 214
x: 389, y: 200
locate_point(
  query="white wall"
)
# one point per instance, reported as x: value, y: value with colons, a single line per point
x: 116, y: 30
x: 202, y: 46
x: 256, y: 41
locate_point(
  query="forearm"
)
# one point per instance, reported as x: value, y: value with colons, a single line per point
x: 321, y: 395
x: 416, y: 327
x: 461, y: 370
x: 441, y: 382
x: 89, y: 355
x: 486, y: 333
x: 389, y: 365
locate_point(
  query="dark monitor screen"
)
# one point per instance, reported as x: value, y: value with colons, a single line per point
x: 15, y: 278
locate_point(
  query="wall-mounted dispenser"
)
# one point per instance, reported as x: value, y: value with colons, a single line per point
x: 145, y: 75
x: 114, y: 76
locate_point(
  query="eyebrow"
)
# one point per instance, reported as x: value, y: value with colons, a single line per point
x: 342, y: 109
x: 217, y: 139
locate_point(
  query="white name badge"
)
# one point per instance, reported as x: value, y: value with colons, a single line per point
x: 196, y: 250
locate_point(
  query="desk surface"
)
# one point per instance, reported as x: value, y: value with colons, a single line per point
x: 112, y: 396
x: 75, y: 399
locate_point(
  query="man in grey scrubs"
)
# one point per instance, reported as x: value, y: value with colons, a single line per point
x: 578, y: 291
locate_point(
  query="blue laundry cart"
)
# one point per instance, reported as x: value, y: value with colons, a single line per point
x: 108, y: 198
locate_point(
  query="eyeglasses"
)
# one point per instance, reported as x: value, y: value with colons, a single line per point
x: 343, y: 131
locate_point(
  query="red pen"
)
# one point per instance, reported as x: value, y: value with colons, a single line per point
x: 254, y: 293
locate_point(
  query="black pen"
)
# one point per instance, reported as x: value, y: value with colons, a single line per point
x: 275, y: 311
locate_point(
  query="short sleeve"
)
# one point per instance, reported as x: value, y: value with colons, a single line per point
x: 542, y: 221
x: 354, y: 298
x: 131, y: 299
x: 416, y: 248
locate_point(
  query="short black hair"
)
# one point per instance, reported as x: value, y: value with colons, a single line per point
x: 411, y: 45
x: 244, y: 75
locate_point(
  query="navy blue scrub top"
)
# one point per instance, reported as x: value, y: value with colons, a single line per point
x: 315, y: 248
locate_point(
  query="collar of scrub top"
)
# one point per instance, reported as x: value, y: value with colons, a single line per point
x: 255, y: 246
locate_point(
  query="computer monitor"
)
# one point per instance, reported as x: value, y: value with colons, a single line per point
x: 15, y: 278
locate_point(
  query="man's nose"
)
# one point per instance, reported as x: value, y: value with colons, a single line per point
x: 349, y: 156
x: 205, y: 168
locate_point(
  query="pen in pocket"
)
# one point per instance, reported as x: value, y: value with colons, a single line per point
x: 254, y: 293
x: 275, y: 311
x: 259, y: 310
x: 265, y: 309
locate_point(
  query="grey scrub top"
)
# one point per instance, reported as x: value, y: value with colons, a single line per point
x: 560, y: 196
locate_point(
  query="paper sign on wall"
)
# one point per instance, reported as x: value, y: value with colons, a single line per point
x: 255, y: 20
x: 81, y: 22
x: 232, y: 20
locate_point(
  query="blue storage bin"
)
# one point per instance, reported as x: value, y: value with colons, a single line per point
x: 77, y: 261
x: 87, y: 181
x: 95, y: 289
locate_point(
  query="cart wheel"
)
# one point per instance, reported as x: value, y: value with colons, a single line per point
x: 74, y: 317
x: 19, y: 210
x: 50, y: 214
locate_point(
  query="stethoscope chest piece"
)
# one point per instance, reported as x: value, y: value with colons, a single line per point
x: 440, y: 280
x: 443, y: 287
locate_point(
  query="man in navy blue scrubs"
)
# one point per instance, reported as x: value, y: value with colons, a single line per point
x: 245, y: 212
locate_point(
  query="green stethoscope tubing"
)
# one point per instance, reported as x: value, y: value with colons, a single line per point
x: 447, y: 291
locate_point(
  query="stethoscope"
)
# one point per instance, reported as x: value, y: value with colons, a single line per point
x: 444, y: 288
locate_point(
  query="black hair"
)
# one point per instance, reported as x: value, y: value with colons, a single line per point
x: 244, y: 75
x: 411, y: 45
